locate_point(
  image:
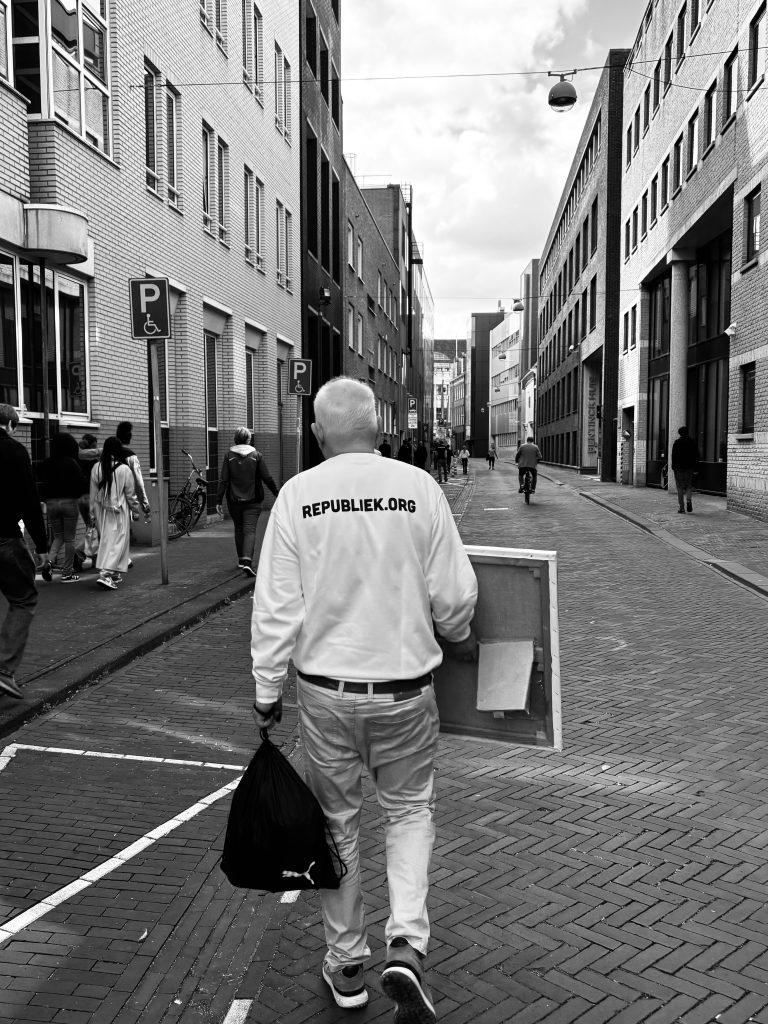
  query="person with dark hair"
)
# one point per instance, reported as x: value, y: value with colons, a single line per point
x: 243, y: 475
x: 88, y: 453
x: 113, y: 504
x: 420, y: 456
x: 61, y: 484
x: 124, y: 434
x: 441, y: 460
x: 17, y: 567
x: 685, y: 462
x: 386, y: 449
x: 528, y: 456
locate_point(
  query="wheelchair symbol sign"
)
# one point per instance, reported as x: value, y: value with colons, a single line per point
x: 299, y: 376
x: 150, y: 307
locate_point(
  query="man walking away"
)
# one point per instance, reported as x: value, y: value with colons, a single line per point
x: 124, y: 434
x: 420, y: 456
x: 441, y: 459
x: 685, y: 462
x: 17, y: 567
x: 464, y: 456
x: 527, y: 456
x: 353, y: 541
x: 242, y: 479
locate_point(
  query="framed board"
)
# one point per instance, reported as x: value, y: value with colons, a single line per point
x: 517, y: 677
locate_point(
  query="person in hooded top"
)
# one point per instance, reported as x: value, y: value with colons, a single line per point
x: 243, y: 475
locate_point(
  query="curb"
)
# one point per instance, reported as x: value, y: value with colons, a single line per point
x: 66, y: 679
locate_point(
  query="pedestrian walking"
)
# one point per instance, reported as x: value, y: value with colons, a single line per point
x: 333, y: 562
x: 62, y: 483
x: 17, y: 566
x: 528, y: 456
x: 491, y: 456
x: 124, y: 434
x: 464, y: 456
x: 386, y: 449
x: 405, y: 452
x: 242, y: 478
x: 88, y: 454
x: 441, y: 460
x: 113, y: 505
x: 685, y: 462
x: 420, y: 456
x: 449, y: 459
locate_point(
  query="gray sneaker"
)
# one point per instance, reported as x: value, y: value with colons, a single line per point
x: 403, y: 981
x: 10, y: 688
x: 347, y: 986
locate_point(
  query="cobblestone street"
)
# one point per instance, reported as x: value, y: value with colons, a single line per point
x: 623, y: 879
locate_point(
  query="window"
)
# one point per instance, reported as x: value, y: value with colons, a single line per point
x: 211, y: 404
x: 172, y: 143
x: 222, y: 187
x: 644, y: 215
x: 710, y: 116
x: 646, y: 108
x: 656, y: 86
x: 730, y: 86
x: 5, y: 69
x: 752, y: 232
x: 594, y: 226
x: 350, y: 244
x: 257, y: 220
x: 629, y: 145
x: 636, y: 129
x: 654, y: 199
x: 695, y: 17
x: 625, y: 343
x: 748, y: 398
x: 634, y: 229
x: 310, y: 34
x: 325, y: 73
x: 248, y: 205
x: 220, y: 16
x: 593, y: 303
x: 627, y: 239
x: 351, y: 326
x: 360, y: 258
x: 693, y: 142
x: 677, y: 165
x: 150, y: 126
x: 665, y: 185
x: 335, y: 96
x: 284, y: 245
x: 250, y: 380
x: 253, y: 48
x: 207, y: 175
x: 633, y: 327
x: 756, y: 62
x: 282, y: 94
x: 378, y: 289
x: 359, y: 334
x: 681, y: 20
x: 668, y: 62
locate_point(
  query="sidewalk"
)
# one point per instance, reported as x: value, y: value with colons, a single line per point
x: 734, y: 544
x: 81, y: 633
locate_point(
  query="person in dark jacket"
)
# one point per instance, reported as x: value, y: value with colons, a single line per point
x: 386, y: 449
x: 242, y: 479
x: 420, y: 456
x: 685, y: 462
x: 88, y: 455
x: 17, y: 567
x: 405, y: 452
x: 62, y: 484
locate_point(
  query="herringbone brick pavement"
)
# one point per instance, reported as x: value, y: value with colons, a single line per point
x: 624, y: 879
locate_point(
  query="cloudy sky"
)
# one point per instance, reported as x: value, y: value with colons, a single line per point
x: 486, y: 157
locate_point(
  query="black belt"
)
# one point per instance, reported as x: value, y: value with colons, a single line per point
x: 394, y: 686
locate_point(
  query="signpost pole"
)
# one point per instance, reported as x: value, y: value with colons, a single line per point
x: 159, y: 461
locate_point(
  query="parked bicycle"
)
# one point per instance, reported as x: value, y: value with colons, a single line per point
x: 186, y: 507
x: 527, y: 485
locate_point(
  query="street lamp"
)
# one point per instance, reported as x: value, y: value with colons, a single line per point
x: 562, y: 95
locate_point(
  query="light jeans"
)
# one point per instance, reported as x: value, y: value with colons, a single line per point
x: 396, y: 740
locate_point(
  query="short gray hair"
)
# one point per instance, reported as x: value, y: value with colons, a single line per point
x: 345, y: 407
x: 242, y: 435
x: 8, y: 415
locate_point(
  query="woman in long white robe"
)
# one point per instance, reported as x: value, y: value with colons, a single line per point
x: 111, y: 508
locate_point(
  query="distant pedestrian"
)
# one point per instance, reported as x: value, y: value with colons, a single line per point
x: 353, y: 594
x: 62, y: 484
x: 113, y: 505
x: 88, y: 454
x: 420, y: 456
x: 685, y: 462
x: 124, y: 434
x: 491, y: 456
x: 449, y: 459
x: 528, y: 456
x: 464, y: 456
x: 17, y: 567
x: 441, y: 460
x: 405, y: 453
x: 243, y: 475
x: 386, y: 449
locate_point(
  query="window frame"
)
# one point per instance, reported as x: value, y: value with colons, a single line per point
x: 755, y: 73
x: 752, y: 232
x: 173, y: 145
x: 747, y: 413
x: 151, y: 132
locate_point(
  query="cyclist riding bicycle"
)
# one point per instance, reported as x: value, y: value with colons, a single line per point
x: 527, y: 457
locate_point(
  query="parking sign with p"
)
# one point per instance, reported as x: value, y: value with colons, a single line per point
x: 150, y: 307
x: 299, y: 376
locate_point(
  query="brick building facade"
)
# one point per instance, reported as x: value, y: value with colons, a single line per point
x: 172, y: 138
x: 578, y: 295
x: 694, y: 284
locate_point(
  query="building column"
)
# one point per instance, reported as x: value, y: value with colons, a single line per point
x: 679, y: 259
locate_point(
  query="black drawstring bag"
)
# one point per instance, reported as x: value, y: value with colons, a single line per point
x: 277, y: 836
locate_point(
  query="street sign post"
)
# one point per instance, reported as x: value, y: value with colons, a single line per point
x: 299, y: 376
x: 151, y: 320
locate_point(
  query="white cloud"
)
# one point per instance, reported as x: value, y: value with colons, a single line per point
x: 486, y: 157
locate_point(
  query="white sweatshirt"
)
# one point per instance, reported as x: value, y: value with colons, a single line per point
x: 360, y: 555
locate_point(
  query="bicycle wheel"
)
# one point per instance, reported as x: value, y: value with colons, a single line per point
x: 180, y: 512
x: 527, y: 496
x: 199, y: 503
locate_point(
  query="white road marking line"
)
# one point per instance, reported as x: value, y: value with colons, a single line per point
x: 505, y: 508
x: 238, y: 1011
x: 11, y: 749
x: 16, y: 924
x: 290, y: 897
